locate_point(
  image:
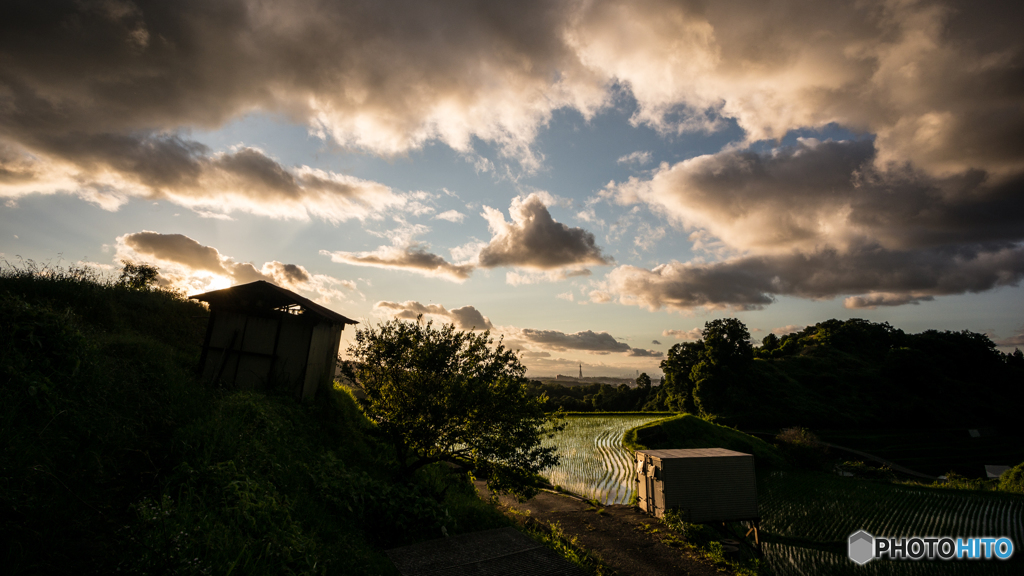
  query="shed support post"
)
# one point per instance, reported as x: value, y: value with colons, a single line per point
x: 754, y: 526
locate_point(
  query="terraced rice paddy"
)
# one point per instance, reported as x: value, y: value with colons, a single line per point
x: 594, y: 462
x: 827, y: 509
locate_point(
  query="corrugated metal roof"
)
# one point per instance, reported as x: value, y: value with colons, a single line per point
x: 498, y: 552
x: 266, y: 296
x: 691, y: 453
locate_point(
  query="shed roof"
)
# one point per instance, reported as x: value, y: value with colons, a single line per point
x: 691, y: 453
x: 262, y: 295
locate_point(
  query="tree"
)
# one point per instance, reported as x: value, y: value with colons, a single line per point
x: 769, y: 344
x: 720, y: 376
x: 137, y: 276
x: 643, y: 381
x: 676, y: 386
x: 438, y: 393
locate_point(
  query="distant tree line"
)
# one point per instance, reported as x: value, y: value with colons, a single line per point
x: 595, y: 397
x: 837, y: 374
x: 843, y: 374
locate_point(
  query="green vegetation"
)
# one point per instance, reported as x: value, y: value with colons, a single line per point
x: 706, y: 541
x: 851, y: 374
x: 689, y: 431
x: 595, y: 397
x: 441, y: 394
x: 1013, y: 480
x: 593, y: 462
x: 114, y: 458
x: 807, y: 516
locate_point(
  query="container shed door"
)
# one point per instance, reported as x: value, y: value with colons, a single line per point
x: 643, y: 483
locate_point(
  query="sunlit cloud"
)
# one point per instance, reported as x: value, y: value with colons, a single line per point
x: 534, y: 240
x: 411, y: 257
x: 192, y: 267
x: 464, y: 318
x: 451, y: 216
x: 692, y: 334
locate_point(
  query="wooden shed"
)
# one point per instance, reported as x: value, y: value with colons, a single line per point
x: 705, y: 484
x: 262, y: 335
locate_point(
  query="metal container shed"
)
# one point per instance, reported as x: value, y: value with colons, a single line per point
x: 705, y: 484
x: 261, y: 335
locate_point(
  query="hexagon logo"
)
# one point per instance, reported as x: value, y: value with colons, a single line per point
x: 861, y: 547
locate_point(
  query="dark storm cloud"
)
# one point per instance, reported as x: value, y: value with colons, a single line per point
x: 535, y: 240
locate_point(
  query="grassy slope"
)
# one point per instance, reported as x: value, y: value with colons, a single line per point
x: 113, y: 457
x: 688, y: 431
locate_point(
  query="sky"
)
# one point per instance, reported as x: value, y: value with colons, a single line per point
x: 592, y: 181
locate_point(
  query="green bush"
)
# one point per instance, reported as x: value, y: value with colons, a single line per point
x: 1012, y: 480
x: 688, y: 431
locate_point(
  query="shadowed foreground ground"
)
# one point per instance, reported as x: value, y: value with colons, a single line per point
x: 627, y: 540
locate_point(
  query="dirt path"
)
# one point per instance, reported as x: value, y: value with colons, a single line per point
x: 625, y: 539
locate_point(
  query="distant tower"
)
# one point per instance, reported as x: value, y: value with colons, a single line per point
x: 581, y: 371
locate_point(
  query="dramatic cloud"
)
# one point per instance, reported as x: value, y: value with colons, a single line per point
x: 98, y: 98
x: 187, y: 265
x: 534, y: 240
x: 818, y: 220
x: 938, y: 83
x: 412, y: 257
x: 588, y: 340
x: 827, y: 194
x: 655, y: 342
x: 694, y: 334
x: 464, y: 318
x: 751, y: 282
x: 112, y: 170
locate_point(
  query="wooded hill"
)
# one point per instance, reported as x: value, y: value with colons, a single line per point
x: 843, y: 374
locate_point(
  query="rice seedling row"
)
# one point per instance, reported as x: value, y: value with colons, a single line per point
x: 828, y: 509
x: 594, y: 462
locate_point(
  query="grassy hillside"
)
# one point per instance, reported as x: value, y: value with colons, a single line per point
x: 688, y: 431
x: 114, y: 458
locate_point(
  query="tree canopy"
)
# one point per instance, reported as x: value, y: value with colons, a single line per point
x: 439, y: 393
x: 842, y: 373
